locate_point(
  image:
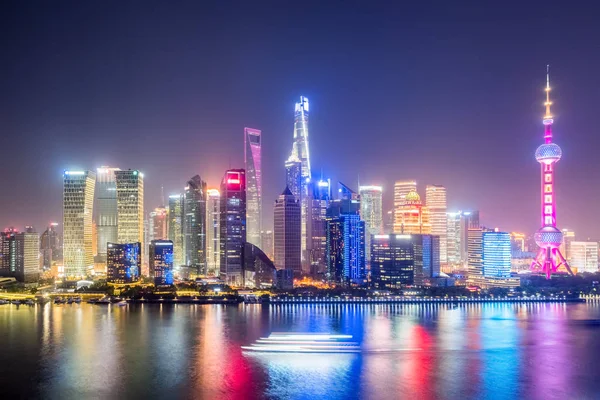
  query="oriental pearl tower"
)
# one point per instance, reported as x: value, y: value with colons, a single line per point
x: 548, y: 237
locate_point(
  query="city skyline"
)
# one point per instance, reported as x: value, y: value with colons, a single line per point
x: 395, y: 110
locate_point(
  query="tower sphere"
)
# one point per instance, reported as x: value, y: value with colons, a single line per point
x: 413, y: 196
x: 548, y: 236
x: 548, y: 153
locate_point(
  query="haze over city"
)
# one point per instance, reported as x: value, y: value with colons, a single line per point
x: 449, y: 96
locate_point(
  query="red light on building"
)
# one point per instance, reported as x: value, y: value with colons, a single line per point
x: 231, y: 180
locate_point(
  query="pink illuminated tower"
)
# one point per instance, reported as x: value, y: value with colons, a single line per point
x: 548, y: 237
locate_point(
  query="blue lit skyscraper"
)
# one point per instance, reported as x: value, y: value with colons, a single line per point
x: 320, y: 198
x: 161, y: 261
x: 496, y: 255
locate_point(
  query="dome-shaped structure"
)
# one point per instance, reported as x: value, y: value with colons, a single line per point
x: 548, y: 236
x: 548, y: 153
x: 413, y: 196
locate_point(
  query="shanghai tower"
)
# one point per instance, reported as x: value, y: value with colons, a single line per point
x: 548, y: 237
x: 300, y: 157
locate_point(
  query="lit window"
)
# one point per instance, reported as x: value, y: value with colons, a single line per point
x: 548, y: 188
x: 548, y: 220
x: 548, y: 210
x: 548, y: 199
x: 548, y: 178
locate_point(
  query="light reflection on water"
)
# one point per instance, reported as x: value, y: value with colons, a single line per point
x: 539, y: 351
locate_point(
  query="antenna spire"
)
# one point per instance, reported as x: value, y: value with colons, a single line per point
x: 548, y: 103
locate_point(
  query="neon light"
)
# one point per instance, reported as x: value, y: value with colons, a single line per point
x: 548, y: 237
x: 231, y: 180
x: 74, y: 173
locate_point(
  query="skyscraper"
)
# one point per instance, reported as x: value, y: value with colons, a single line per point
x: 161, y: 261
x: 345, y: 252
x: 50, y: 246
x: 267, y: 240
x: 454, y: 238
x: 584, y: 256
x: 123, y: 262
x: 194, y: 224
x: 496, y: 254
x: 371, y: 211
x: 411, y: 217
x: 252, y: 157
x: 78, y: 202
x: 176, y: 228
x: 233, y: 226
x: 427, y: 258
x: 213, y: 232
x: 287, y: 230
x: 549, y: 238
x: 106, y: 209
x: 401, y: 189
x: 130, y: 206
x: 320, y: 199
x: 159, y: 219
x: 475, y: 254
x: 435, y: 201
x: 300, y: 153
x: 20, y: 255
x: 392, y: 261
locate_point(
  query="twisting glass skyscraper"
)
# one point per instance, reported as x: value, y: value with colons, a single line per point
x: 252, y: 158
x: 300, y: 154
x: 78, y: 202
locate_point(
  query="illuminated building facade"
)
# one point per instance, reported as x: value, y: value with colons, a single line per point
x: 106, y: 210
x: 427, y: 258
x: 548, y: 238
x: 345, y: 244
x: 123, y: 262
x: 411, y: 217
x: 267, y: 240
x: 130, y: 206
x: 213, y: 232
x: 371, y: 211
x: 320, y: 199
x: 194, y: 224
x: 475, y: 253
x: 287, y: 228
x: 50, y: 247
x: 565, y: 247
x: 78, y: 203
x: 160, y: 261
x: 252, y: 157
x: 392, y: 261
x: 176, y: 227
x: 233, y: 226
x: 496, y: 254
x: 584, y: 256
x: 453, y: 238
x: 20, y: 255
x: 435, y: 201
x: 158, y: 224
x: 300, y: 154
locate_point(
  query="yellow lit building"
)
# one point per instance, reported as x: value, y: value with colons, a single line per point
x: 411, y: 217
x: 130, y: 206
x: 78, y: 202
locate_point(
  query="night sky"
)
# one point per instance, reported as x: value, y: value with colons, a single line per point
x: 439, y: 92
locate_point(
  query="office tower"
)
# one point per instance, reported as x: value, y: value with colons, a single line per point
x: 50, y: 247
x: 252, y: 158
x: 176, y: 228
x: 454, y: 238
x: 345, y: 245
x: 20, y: 255
x: 392, y: 261
x: 371, y: 211
x: 287, y: 228
x: 411, y: 217
x: 517, y: 242
x: 584, y: 256
x: 161, y: 261
x: 158, y: 223
x: 267, y: 240
x: 388, y: 223
x: 123, y: 262
x: 496, y: 254
x: 565, y: 247
x: 194, y: 224
x: 130, y: 206
x: 548, y: 237
x: 300, y: 154
x: 233, y: 226
x: 317, y: 225
x: 401, y: 189
x: 475, y: 254
x: 106, y: 215
x: 78, y: 202
x: 427, y: 258
x: 435, y: 201
x: 213, y: 232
